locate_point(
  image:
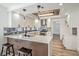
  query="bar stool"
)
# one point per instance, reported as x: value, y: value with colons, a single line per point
x: 24, y: 52
x: 7, y: 45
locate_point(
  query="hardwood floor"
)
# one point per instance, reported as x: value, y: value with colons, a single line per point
x: 59, y: 50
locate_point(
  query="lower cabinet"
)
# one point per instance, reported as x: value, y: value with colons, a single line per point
x: 38, y: 49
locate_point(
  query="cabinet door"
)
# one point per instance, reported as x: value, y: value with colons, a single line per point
x: 26, y: 44
x: 39, y: 49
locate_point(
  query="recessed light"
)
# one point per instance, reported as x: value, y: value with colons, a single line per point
x: 36, y: 20
x: 16, y: 15
x: 60, y: 4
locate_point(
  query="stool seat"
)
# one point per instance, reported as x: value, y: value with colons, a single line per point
x: 7, y: 44
x: 24, y: 51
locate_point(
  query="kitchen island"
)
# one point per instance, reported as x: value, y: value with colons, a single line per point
x: 41, y: 45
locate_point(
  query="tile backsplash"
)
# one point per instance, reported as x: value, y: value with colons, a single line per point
x: 16, y: 30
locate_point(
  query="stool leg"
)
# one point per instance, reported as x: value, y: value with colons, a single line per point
x: 19, y: 54
x: 6, y: 51
x: 2, y: 50
x: 31, y: 54
x: 9, y: 50
x: 13, y: 51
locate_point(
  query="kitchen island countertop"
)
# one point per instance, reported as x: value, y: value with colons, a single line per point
x: 37, y: 38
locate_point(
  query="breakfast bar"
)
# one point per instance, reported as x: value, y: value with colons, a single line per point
x: 41, y: 45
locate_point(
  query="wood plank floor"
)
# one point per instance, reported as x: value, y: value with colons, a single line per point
x: 59, y: 50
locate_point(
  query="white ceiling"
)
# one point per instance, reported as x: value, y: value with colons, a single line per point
x: 32, y: 7
x: 12, y: 6
x: 47, y: 6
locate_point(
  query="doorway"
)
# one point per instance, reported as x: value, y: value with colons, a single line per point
x: 56, y: 30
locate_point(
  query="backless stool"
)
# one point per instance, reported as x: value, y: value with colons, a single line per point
x: 24, y: 52
x: 8, y: 51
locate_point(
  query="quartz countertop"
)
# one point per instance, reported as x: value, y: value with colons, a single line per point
x: 34, y: 38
